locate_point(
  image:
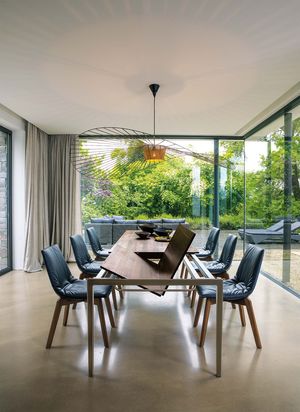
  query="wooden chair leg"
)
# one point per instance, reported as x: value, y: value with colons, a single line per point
x: 242, y: 315
x: 114, y: 298
x: 189, y: 291
x: 252, y: 319
x: 56, y: 314
x: 205, y: 322
x: 182, y: 270
x: 109, y: 311
x: 198, y: 311
x: 193, y: 298
x: 121, y: 292
x: 66, y: 314
x: 102, y: 322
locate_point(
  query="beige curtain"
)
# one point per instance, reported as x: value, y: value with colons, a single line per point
x: 37, y: 223
x: 52, y: 195
x: 64, y: 219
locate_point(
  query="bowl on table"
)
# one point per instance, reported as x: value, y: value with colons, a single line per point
x: 143, y: 235
x: 147, y: 227
x: 163, y: 231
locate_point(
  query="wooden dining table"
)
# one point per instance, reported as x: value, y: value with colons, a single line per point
x: 124, y: 262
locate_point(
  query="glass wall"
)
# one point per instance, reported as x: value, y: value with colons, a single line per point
x: 273, y: 197
x: 291, y: 275
x: 231, y: 191
x: 182, y: 186
x: 5, y: 201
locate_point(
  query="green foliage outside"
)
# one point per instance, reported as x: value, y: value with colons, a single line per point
x: 166, y: 189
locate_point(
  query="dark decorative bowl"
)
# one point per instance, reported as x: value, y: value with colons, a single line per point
x: 163, y: 231
x: 143, y: 235
x: 147, y: 227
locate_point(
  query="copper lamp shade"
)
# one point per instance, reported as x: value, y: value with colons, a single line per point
x: 154, y: 152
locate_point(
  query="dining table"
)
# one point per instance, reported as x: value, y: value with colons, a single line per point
x: 125, y: 263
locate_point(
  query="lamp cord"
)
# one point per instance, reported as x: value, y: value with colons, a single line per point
x: 154, y: 119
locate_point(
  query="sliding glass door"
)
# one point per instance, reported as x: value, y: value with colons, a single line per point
x: 5, y: 201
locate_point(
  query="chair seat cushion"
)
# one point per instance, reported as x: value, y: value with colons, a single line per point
x: 103, y: 253
x: 215, y: 267
x: 203, y: 253
x: 231, y: 290
x: 92, y: 268
x: 78, y: 290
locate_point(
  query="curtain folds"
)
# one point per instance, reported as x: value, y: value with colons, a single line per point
x: 63, y: 190
x: 52, y: 195
x: 37, y: 222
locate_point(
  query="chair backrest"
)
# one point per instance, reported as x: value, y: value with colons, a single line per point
x: 249, y: 267
x: 228, y: 251
x: 94, y: 240
x: 176, y: 250
x: 57, y: 268
x: 80, y: 251
x: 212, y: 239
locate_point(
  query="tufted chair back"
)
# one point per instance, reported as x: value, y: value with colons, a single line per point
x: 249, y: 268
x: 94, y: 240
x: 57, y: 268
x: 81, y: 253
x: 212, y: 239
x: 228, y: 251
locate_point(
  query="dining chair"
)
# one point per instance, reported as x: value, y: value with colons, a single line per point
x: 71, y: 290
x: 100, y: 253
x: 236, y: 290
x: 88, y: 266
x: 220, y: 266
x: 207, y: 251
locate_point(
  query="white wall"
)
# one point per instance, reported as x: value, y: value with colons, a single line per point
x: 16, y: 124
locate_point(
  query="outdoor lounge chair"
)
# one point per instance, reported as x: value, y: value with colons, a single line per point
x: 269, y: 235
x: 273, y: 228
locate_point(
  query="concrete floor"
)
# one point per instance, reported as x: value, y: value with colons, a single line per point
x: 154, y: 363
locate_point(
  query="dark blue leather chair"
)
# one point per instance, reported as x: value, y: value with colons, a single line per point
x: 100, y: 253
x: 88, y: 266
x: 220, y: 266
x: 210, y: 246
x: 71, y: 290
x: 236, y: 290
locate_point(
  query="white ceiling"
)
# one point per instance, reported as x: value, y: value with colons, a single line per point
x: 71, y: 65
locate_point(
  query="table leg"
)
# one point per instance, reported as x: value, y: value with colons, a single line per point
x: 90, y: 313
x: 219, y: 322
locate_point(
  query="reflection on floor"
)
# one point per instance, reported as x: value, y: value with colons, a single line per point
x: 154, y: 363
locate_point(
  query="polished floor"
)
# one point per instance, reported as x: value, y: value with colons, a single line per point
x: 154, y: 363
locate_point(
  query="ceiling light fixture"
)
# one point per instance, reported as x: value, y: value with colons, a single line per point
x: 154, y: 152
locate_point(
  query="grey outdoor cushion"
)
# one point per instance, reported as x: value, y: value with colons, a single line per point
x: 127, y: 222
x: 102, y: 220
x: 173, y: 220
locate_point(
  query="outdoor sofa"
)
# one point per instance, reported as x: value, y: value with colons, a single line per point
x: 110, y: 229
